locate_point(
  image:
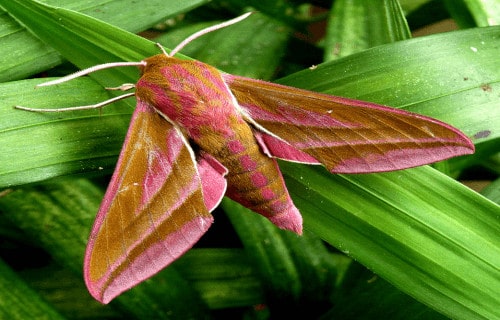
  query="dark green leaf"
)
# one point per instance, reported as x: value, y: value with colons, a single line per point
x: 18, y: 301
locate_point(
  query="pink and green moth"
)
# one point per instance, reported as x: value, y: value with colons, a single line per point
x: 198, y: 134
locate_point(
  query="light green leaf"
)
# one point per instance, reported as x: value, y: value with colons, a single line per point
x: 482, y: 12
x: 23, y: 54
x: 381, y: 22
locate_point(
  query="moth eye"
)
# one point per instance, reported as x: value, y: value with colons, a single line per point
x: 196, y: 148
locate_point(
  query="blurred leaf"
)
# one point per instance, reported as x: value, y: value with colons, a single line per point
x: 18, y: 301
x: 298, y: 273
x: 492, y: 191
x: 461, y: 15
x: 377, y: 300
x: 257, y: 41
x: 480, y: 13
x: 268, y: 250
x: 411, y: 5
x: 381, y: 22
x: 225, y: 278
x: 145, y: 14
x: 426, y: 14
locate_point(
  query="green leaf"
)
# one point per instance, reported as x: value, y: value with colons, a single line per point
x: 376, y: 299
x: 257, y: 34
x: 18, y: 301
x: 143, y: 15
x: 295, y: 269
x: 492, y: 191
x: 419, y: 236
x: 382, y: 22
x: 225, y: 278
x: 268, y: 249
x: 42, y: 146
x: 481, y: 12
x: 24, y: 55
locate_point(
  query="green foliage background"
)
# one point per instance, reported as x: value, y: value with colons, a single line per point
x: 431, y: 244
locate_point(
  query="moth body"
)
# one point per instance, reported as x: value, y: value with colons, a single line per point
x: 194, y: 97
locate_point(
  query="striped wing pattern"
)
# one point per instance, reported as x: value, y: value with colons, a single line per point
x: 153, y: 210
x: 345, y: 135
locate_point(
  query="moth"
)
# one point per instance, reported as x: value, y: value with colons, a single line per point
x: 198, y: 134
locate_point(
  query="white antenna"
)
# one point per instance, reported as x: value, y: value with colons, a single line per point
x: 89, y: 107
x: 207, y: 30
x: 123, y: 87
x: 126, y: 86
x: 90, y: 70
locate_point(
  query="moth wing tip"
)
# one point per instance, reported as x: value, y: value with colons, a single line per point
x: 290, y: 220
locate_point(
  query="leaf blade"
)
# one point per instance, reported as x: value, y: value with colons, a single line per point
x: 432, y: 241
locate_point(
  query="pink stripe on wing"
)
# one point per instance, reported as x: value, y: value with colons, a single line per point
x: 160, y: 160
x: 156, y: 257
x: 166, y: 255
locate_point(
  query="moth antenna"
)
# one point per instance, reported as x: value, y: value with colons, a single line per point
x: 90, y: 70
x: 123, y: 87
x: 205, y: 31
x: 89, y: 107
x: 162, y: 49
x: 125, y: 64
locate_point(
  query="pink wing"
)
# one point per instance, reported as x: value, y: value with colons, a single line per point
x: 156, y: 206
x: 345, y: 135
